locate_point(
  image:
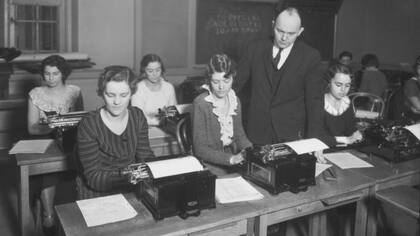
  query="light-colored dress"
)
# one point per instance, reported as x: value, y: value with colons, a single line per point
x: 151, y: 101
x: 65, y: 103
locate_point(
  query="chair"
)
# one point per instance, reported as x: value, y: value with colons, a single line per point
x: 367, y: 106
x: 184, y: 135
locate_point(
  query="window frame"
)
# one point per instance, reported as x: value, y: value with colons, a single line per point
x: 65, y: 8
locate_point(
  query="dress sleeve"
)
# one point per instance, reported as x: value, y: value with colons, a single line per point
x: 172, y: 95
x: 97, y: 178
x: 201, y: 141
x: 143, y: 150
x: 241, y: 139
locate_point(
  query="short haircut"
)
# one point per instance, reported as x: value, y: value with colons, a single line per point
x: 148, y: 59
x: 345, y: 54
x: 220, y: 63
x: 286, y: 8
x: 118, y: 74
x: 370, y: 60
x: 335, y: 69
x: 59, y: 62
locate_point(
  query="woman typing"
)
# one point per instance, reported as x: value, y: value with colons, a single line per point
x: 112, y: 137
x: 218, y: 135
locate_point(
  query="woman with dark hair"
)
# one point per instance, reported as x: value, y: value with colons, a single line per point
x: 53, y: 96
x: 339, y: 120
x: 218, y: 135
x: 373, y: 80
x: 153, y: 92
x: 112, y: 137
x: 412, y: 93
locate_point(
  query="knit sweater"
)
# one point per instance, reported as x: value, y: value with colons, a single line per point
x: 207, y: 142
x: 103, y: 154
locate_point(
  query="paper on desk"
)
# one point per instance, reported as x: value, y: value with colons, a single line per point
x: 174, y: 166
x: 235, y: 189
x: 414, y: 129
x: 155, y: 132
x: 366, y: 114
x: 104, y: 210
x: 307, y: 145
x: 346, y: 160
x: 319, y: 168
x: 184, y: 108
x: 31, y: 146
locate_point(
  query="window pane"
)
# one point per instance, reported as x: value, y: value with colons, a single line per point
x: 48, y: 36
x: 25, y: 36
x: 48, y: 13
x: 25, y: 12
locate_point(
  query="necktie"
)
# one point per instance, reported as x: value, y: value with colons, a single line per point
x: 276, y: 59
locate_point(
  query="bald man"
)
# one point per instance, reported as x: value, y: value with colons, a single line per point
x: 286, y: 100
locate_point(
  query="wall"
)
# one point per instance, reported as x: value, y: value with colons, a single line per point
x: 389, y: 28
x: 106, y: 31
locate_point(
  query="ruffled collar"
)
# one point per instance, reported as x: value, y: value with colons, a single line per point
x: 344, y: 105
x: 225, y: 121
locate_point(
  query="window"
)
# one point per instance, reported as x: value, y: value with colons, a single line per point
x: 36, y: 28
x: 39, y: 26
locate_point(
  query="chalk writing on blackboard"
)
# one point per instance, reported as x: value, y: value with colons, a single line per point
x: 228, y: 26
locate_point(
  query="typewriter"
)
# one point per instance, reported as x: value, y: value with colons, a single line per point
x: 183, y: 193
x: 65, y: 126
x: 171, y: 115
x: 277, y: 168
x: 390, y: 141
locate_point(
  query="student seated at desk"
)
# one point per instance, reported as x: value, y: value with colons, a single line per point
x: 412, y: 94
x: 373, y: 80
x: 53, y: 96
x: 339, y: 120
x: 153, y: 91
x: 112, y: 137
x: 218, y: 135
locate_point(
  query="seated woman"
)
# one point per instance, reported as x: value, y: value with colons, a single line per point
x: 53, y: 96
x: 339, y: 120
x: 373, y: 80
x: 112, y: 137
x: 218, y: 135
x: 153, y: 92
x: 412, y: 94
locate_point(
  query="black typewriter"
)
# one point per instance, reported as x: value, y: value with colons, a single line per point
x: 171, y: 115
x: 181, y: 194
x: 277, y: 168
x: 390, y: 141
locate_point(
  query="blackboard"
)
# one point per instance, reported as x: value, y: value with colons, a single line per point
x: 228, y: 26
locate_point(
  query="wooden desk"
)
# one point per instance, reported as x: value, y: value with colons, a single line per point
x: 223, y: 220
x: 386, y: 175
x: 348, y: 188
x: 54, y: 161
x: 251, y: 218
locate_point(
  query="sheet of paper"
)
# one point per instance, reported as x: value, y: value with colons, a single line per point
x: 174, y: 166
x: 155, y: 132
x: 104, y: 210
x: 414, y: 129
x: 31, y: 146
x: 307, y: 145
x: 184, y: 108
x: 319, y: 168
x: 366, y: 114
x: 235, y: 189
x: 346, y: 160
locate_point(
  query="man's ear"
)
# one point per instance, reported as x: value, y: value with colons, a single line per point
x: 301, y: 30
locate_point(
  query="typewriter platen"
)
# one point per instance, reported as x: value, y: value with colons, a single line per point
x: 391, y: 141
x: 277, y: 168
x: 183, y: 194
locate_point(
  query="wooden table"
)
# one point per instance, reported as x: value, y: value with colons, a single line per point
x: 54, y: 161
x: 327, y: 194
x: 386, y: 175
x: 251, y: 217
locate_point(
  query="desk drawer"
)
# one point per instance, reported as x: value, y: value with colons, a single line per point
x: 313, y: 207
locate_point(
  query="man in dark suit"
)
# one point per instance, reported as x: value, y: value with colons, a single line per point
x: 286, y: 84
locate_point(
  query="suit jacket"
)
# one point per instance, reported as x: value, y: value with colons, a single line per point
x: 294, y: 107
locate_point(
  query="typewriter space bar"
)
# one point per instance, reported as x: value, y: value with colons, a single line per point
x: 342, y: 199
